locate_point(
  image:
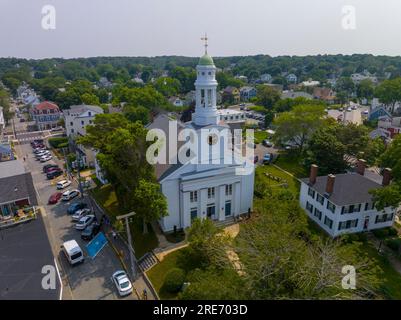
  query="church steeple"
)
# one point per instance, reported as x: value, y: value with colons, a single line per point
x: 206, y: 89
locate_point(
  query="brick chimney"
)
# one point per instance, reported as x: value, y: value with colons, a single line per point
x: 313, y: 173
x: 360, y: 167
x: 386, y: 177
x: 330, y: 183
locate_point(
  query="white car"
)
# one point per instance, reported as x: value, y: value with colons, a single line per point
x: 45, y: 158
x: 42, y: 153
x: 80, y: 214
x: 84, y: 222
x: 70, y: 194
x: 63, y: 184
x: 122, y: 283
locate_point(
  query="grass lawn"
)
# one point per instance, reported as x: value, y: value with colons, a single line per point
x: 292, y: 164
x: 293, y: 184
x: 143, y: 243
x: 260, y: 135
x: 158, y: 272
x: 392, y: 279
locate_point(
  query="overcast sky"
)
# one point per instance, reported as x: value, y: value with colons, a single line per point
x: 173, y: 27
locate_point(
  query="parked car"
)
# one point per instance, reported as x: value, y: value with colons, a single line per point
x: 70, y: 194
x: 45, y: 158
x: 54, y: 173
x: 267, y: 143
x: 90, y: 231
x: 84, y: 222
x: 255, y: 159
x: 42, y: 153
x: 51, y: 169
x: 267, y: 158
x: 80, y: 214
x: 63, y: 184
x: 54, y: 198
x: 76, y: 206
x: 49, y: 166
x: 122, y: 283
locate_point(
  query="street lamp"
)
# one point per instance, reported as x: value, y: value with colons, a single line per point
x: 131, y: 249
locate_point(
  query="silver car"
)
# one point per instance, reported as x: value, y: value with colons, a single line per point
x: 84, y: 222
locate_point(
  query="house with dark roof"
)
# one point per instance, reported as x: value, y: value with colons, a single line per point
x: 16, y: 188
x: 46, y: 115
x: 342, y: 203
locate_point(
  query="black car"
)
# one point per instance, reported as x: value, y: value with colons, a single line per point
x: 48, y: 166
x: 54, y: 174
x: 90, y: 231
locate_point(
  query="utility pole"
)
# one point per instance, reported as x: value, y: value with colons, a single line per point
x: 79, y: 175
x: 131, y: 249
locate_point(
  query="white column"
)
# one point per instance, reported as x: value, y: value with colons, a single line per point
x: 202, y: 203
x: 221, y: 203
x: 237, y: 195
x: 186, y: 215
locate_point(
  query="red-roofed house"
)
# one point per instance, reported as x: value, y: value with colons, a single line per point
x: 46, y: 115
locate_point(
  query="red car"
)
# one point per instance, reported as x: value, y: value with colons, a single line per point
x: 55, y: 197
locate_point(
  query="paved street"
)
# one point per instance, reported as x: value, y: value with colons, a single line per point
x: 90, y: 280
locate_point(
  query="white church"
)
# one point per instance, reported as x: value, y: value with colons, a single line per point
x: 216, y: 190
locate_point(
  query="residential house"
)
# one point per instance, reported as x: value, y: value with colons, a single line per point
x: 378, y: 112
x: 247, y: 93
x: 242, y: 78
x: 104, y: 83
x: 266, y: 78
x: 342, y: 203
x: 2, y: 123
x: 231, y: 116
x: 176, y: 101
x: 76, y: 118
x: 289, y: 94
x: 16, y: 188
x: 390, y: 124
x: 278, y: 87
x: 291, y: 78
x: 6, y: 152
x: 231, y: 95
x: 325, y: 94
x: 46, y: 115
x: 358, y: 77
x: 310, y: 83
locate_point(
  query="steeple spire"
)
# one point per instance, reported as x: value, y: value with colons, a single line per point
x: 205, y: 38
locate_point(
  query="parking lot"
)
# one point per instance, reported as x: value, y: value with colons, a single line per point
x: 92, y: 279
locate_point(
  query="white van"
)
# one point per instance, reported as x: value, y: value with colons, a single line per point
x: 73, y: 252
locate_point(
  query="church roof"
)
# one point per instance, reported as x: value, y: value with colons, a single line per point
x: 206, y: 60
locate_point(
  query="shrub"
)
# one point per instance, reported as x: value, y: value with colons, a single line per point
x: 381, y: 233
x: 174, y: 280
x: 392, y: 232
x: 393, y: 244
x: 58, y: 142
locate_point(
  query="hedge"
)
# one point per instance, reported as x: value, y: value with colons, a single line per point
x: 58, y: 142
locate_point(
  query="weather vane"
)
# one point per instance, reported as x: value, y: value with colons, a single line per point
x: 205, y: 38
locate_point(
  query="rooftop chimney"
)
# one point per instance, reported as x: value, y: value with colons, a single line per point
x: 360, y: 167
x: 330, y: 183
x: 386, y: 177
x: 313, y: 173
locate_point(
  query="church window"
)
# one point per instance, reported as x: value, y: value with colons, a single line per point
x: 209, y: 97
x: 229, y: 189
x: 212, y: 139
x: 210, y: 193
x: 193, y: 196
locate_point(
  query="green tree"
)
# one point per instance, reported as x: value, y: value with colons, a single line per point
x: 365, y: 89
x: 137, y: 114
x: 389, y: 92
x: 297, y: 126
x: 267, y: 96
x: 167, y: 86
x: 149, y: 203
x: 90, y: 99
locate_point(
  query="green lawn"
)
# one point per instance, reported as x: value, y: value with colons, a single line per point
x: 293, y: 183
x: 158, y: 272
x: 260, y: 135
x: 292, y: 164
x: 392, y: 279
x: 143, y: 243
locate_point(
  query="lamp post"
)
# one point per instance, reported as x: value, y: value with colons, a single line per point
x: 131, y: 249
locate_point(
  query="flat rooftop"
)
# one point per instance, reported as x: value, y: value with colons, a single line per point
x: 24, y: 250
x: 11, y: 168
